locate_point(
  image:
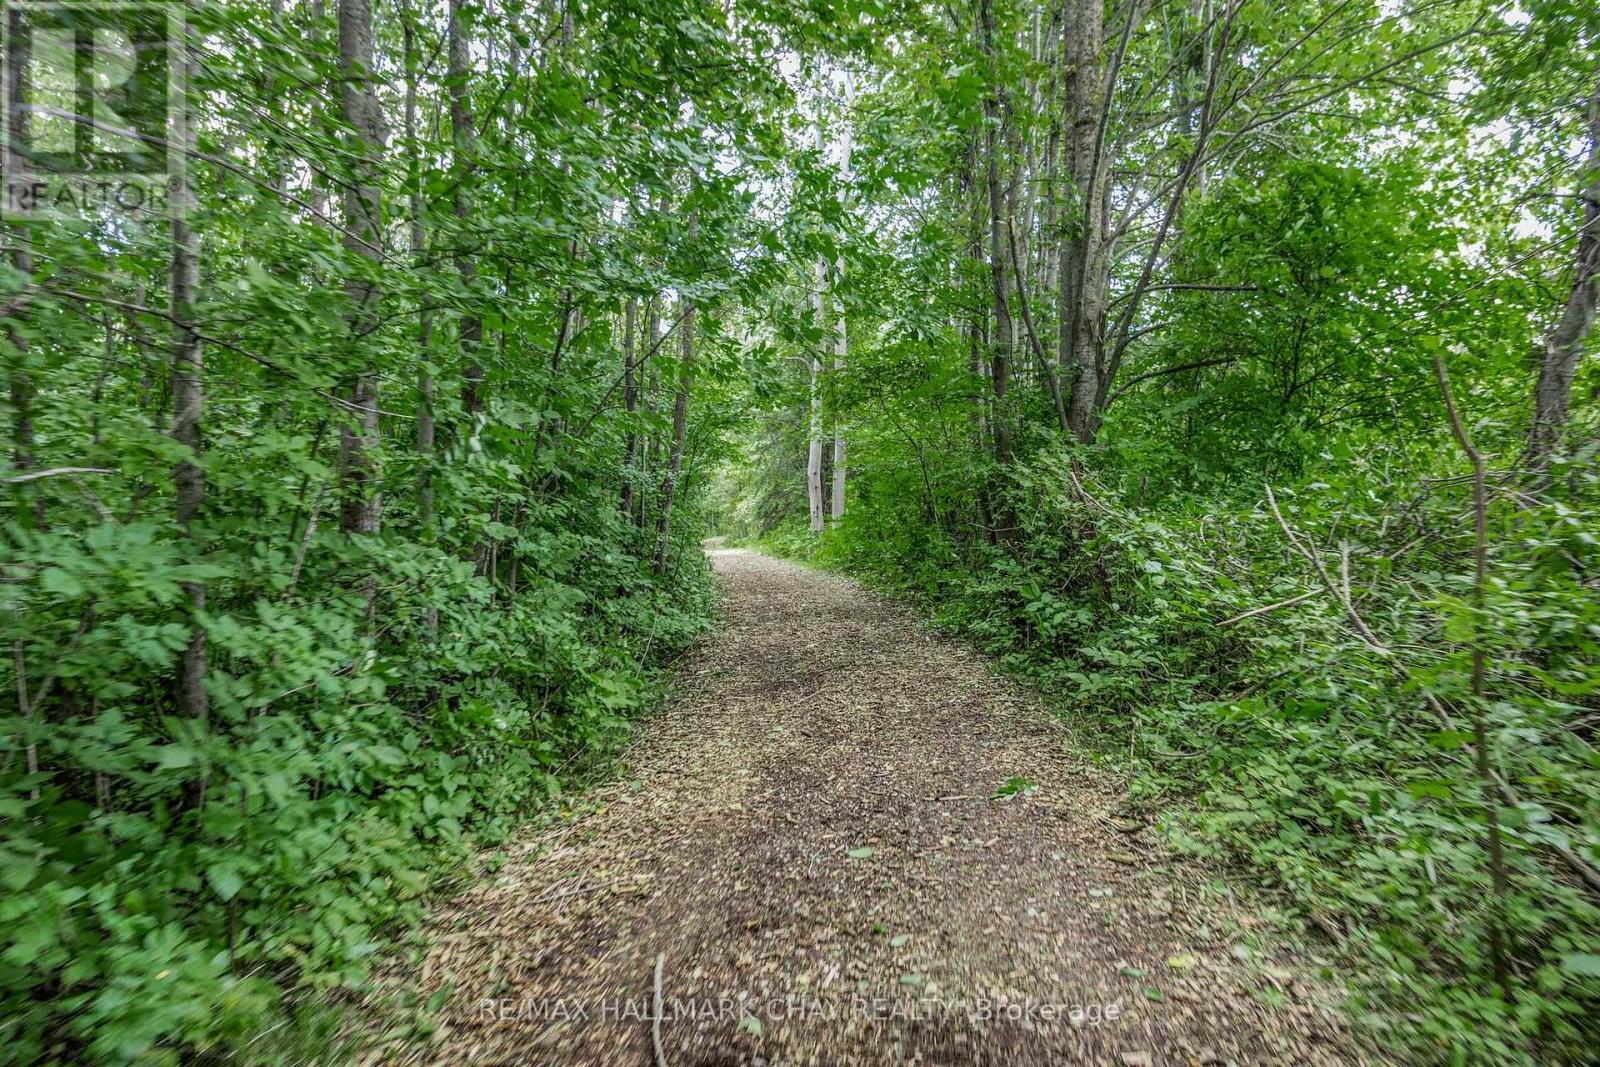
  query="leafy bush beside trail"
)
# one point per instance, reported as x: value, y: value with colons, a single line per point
x: 1283, y: 744
x: 343, y: 777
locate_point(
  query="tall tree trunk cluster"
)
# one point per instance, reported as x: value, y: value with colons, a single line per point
x: 1038, y: 185
x: 828, y: 503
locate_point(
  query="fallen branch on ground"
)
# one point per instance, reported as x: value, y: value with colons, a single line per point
x: 1253, y: 612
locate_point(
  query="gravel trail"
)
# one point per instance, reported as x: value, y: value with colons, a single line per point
x: 809, y: 839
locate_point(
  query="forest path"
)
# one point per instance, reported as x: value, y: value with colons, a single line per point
x: 812, y: 825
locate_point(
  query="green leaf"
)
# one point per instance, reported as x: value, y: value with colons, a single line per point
x: 387, y: 754
x: 1430, y: 787
x: 1016, y: 784
x: 225, y: 879
x: 18, y: 870
x: 57, y: 581
x: 172, y: 756
x: 1582, y: 964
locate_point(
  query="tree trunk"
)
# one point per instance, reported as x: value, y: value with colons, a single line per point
x: 1189, y: 77
x: 650, y: 445
x: 189, y: 485
x: 1563, y: 345
x: 463, y: 138
x: 836, y: 505
x: 680, y: 422
x: 318, y: 198
x: 358, y: 443
x: 21, y: 239
x: 17, y: 60
x: 814, y: 417
x: 426, y: 425
x: 814, y: 397
x: 1083, y: 272
x: 1480, y: 730
x: 630, y: 404
x: 275, y: 164
x: 1000, y: 352
x: 976, y: 317
x: 1049, y: 235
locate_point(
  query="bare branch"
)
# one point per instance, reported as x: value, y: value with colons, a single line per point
x: 33, y: 476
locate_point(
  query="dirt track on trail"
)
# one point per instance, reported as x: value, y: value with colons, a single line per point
x: 809, y: 837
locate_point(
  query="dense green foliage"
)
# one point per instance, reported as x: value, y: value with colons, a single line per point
x: 350, y: 512
x: 1283, y: 336
x: 381, y: 700
x: 1286, y: 744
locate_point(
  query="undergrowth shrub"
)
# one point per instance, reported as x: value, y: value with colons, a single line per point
x: 1282, y: 743
x: 176, y: 888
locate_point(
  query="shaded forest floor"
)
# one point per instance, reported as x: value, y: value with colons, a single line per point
x: 847, y: 841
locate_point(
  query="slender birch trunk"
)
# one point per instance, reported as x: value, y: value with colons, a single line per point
x: 841, y: 347
x: 650, y: 445
x: 814, y: 415
x: 1084, y: 274
x: 1014, y: 174
x: 1216, y: 41
x: 1198, y: 77
x: 1048, y: 259
x: 358, y: 442
x: 188, y: 477
x: 680, y: 421
x: 318, y: 197
x: 814, y: 397
x: 976, y: 318
x: 463, y: 139
x: 1000, y: 350
x: 427, y: 427
x: 1493, y: 835
x: 276, y: 168
x: 630, y: 405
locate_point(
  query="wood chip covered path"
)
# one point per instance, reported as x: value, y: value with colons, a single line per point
x: 810, y: 838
